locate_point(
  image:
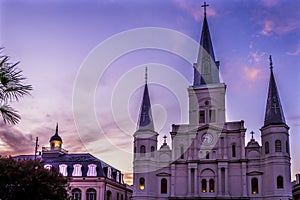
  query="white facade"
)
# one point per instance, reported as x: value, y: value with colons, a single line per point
x: 209, y: 158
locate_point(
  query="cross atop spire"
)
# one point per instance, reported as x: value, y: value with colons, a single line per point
x: 204, y: 6
x: 252, y: 133
x: 165, y: 139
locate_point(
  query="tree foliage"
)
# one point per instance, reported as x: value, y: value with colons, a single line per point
x: 28, y: 180
x: 12, y: 89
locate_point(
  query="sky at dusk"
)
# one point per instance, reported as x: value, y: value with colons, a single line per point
x: 86, y: 60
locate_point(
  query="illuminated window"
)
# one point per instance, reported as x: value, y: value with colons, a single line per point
x: 233, y: 149
x: 203, y: 182
x: 267, y: 148
x: 142, y: 184
x: 279, y: 182
x: 76, y: 194
x: 163, y: 186
x: 254, y: 185
x: 277, y: 146
x: 118, y: 177
x: 143, y: 150
x: 109, y: 172
x: 48, y: 166
x: 77, y: 170
x: 211, y: 185
x: 152, y: 151
x: 91, y: 194
x: 63, y: 169
x: 92, y: 170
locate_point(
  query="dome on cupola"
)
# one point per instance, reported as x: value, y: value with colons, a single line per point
x: 55, y: 140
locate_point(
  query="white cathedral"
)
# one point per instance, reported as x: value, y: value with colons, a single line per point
x: 209, y: 158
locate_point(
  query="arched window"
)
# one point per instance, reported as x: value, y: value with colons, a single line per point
x: 279, y: 182
x: 267, y: 148
x: 254, y: 185
x: 211, y: 185
x: 163, y: 186
x: 287, y: 148
x: 277, y: 146
x: 152, y: 151
x: 48, y: 166
x: 76, y: 194
x: 142, y: 184
x: 91, y: 194
x: 142, y: 150
x: 203, y: 182
x: 233, y: 150
x: 207, y: 155
x: 108, y: 195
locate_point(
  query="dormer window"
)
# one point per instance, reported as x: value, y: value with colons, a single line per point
x: 63, y: 169
x: 77, y: 170
x: 48, y: 166
x: 109, y: 172
x: 118, y: 177
x: 92, y: 170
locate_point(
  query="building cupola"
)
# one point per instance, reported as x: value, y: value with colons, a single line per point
x: 55, y: 140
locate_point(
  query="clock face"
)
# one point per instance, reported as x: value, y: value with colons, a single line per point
x: 207, y: 138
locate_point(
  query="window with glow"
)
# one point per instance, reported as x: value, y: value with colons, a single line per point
x: 92, y: 170
x: 254, y: 186
x: 109, y: 172
x: 211, y: 185
x: 63, y: 169
x: 91, y: 194
x: 267, y: 148
x: 203, y: 182
x: 142, y: 184
x: 277, y: 146
x: 76, y: 194
x: 279, y: 182
x: 163, y: 186
x: 233, y: 150
x: 118, y: 176
x: 77, y: 170
x: 48, y: 166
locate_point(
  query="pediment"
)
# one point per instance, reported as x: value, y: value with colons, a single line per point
x: 255, y: 173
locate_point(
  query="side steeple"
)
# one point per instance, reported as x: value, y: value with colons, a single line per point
x: 206, y: 70
x: 145, y: 121
x: 274, y: 112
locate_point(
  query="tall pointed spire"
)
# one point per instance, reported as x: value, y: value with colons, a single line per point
x: 145, y: 119
x: 56, y: 130
x: 274, y: 112
x: 206, y: 70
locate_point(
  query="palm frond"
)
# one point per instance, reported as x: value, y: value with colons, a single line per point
x: 9, y: 115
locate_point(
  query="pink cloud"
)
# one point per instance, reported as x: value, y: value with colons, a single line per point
x: 268, y: 27
x: 195, y: 10
x: 279, y: 28
x: 251, y: 73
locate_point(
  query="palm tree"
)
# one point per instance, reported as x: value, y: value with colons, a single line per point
x: 12, y: 89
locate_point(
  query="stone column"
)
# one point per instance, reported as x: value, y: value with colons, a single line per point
x: 189, y: 182
x: 226, y: 181
x: 244, y: 179
x: 196, y: 189
x: 172, y: 180
x: 219, y: 193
